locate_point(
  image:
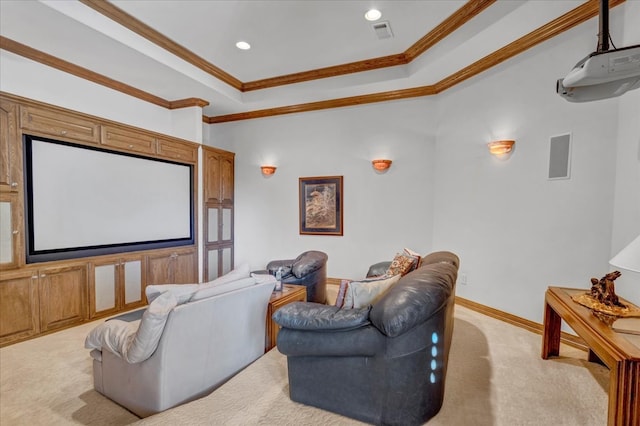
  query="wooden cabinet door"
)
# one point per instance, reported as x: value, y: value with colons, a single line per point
x: 218, y: 172
x: 226, y: 178
x: 185, y: 268
x: 129, y: 140
x: 159, y: 269
x: 10, y: 226
x: 178, y: 151
x: 10, y: 148
x: 19, y: 317
x: 59, y: 124
x: 63, y: 296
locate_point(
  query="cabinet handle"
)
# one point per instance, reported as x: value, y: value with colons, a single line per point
x: 43, y: 275
x: 14, y: 184
x: 130, y: 146
x: 34, y: 277
x: 15, y: 232
x: 64, y: 132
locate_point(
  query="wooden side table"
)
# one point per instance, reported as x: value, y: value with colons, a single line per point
x: 619, y: 352
x: 290, y: 293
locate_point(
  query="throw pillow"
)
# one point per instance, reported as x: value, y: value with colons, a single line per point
x: 401, y: 264
x: 415, y: 255
x: 367, y: 292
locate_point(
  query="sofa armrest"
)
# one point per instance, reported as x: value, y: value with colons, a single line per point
x: 318, y: 317
x: 308, y: 262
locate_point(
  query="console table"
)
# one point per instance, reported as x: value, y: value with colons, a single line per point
x: 620, y: 352
x: 290, y: 293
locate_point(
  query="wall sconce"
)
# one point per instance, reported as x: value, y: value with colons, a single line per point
x: 381, y: 165
x: 498, y: 148
x: 267, y: 170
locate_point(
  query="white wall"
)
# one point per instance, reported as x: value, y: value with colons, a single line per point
x: 29, y: 79
x: 516, y: 231
x: 626, y: 217
x: 383, y: 213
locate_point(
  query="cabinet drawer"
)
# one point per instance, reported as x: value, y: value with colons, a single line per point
x: 59, y: 124
x: 177, y: 150
x: 127, y: 139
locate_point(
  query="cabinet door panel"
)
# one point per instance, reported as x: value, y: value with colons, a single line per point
x: 226, y: 171
x: 212, y: 177
x: 10, y: 148
x: 159, y: 270
x: 105, y: 288
x: 129, y: 140
x: 10, y: 226
x: 185, y: 268
x: 63, y: 297
x: 227, y: 224
x: 132, y: 282
x: 178, y: 151
x: 212, y: 225
x: 18, y: 307
x: 59, y: 124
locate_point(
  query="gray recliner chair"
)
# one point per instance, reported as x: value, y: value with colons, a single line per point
x: 384, y: 364
x: 309, y: 269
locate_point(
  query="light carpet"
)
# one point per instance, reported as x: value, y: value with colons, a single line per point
x: 495, y: 377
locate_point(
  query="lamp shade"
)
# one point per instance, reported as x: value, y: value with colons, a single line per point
x: 629, y: 257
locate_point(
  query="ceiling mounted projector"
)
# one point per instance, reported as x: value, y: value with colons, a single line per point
x: 605, y: 73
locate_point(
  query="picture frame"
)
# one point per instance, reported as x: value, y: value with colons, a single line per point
x: 321, y: 202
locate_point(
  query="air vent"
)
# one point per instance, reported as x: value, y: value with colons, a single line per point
x: 382, y: 30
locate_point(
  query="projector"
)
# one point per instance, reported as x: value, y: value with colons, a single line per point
x: 596, y: 92
x: 602, y: 75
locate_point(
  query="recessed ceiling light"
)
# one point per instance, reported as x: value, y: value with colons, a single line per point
x: 243, y: 45
x: 372, y: 15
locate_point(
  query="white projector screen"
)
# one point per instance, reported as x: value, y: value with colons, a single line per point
x: 82, y: 201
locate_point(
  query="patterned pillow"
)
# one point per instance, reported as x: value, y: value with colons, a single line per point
x: 402, y: 264
x: 414, y: 255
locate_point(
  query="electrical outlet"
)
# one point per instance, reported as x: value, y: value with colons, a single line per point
x: 462, y: 278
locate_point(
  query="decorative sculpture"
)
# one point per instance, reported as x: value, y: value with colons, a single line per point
x: 604, y: 302
x: 604, y: 290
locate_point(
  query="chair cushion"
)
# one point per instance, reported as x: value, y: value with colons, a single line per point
x: 318, y: 317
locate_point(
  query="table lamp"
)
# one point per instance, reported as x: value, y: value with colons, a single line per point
x: 627, y: 261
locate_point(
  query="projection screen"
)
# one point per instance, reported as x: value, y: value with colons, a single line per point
x: 83, y: 201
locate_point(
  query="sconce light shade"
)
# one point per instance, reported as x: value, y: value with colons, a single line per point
x: 381, y: 165
x: 501, y: 147
x: 268, y: 170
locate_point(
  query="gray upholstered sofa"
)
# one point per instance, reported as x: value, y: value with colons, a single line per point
x: 383, y: 364
x: 190, y: 340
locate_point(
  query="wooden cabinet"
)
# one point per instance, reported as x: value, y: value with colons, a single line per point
x: 63, y: 296
x: 58, y: 124
x: 19, y: 306
x: 10, y: 150
x: 218, y: 175
x: 130, y: 140
x: 116, y: 285
x: 172, y: 267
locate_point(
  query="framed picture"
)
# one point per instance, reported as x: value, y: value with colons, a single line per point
x: 321, y: 205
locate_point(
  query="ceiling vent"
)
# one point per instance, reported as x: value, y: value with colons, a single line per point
x: 382, y: 30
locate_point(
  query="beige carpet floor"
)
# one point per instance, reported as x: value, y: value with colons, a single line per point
x: 495, y: 377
